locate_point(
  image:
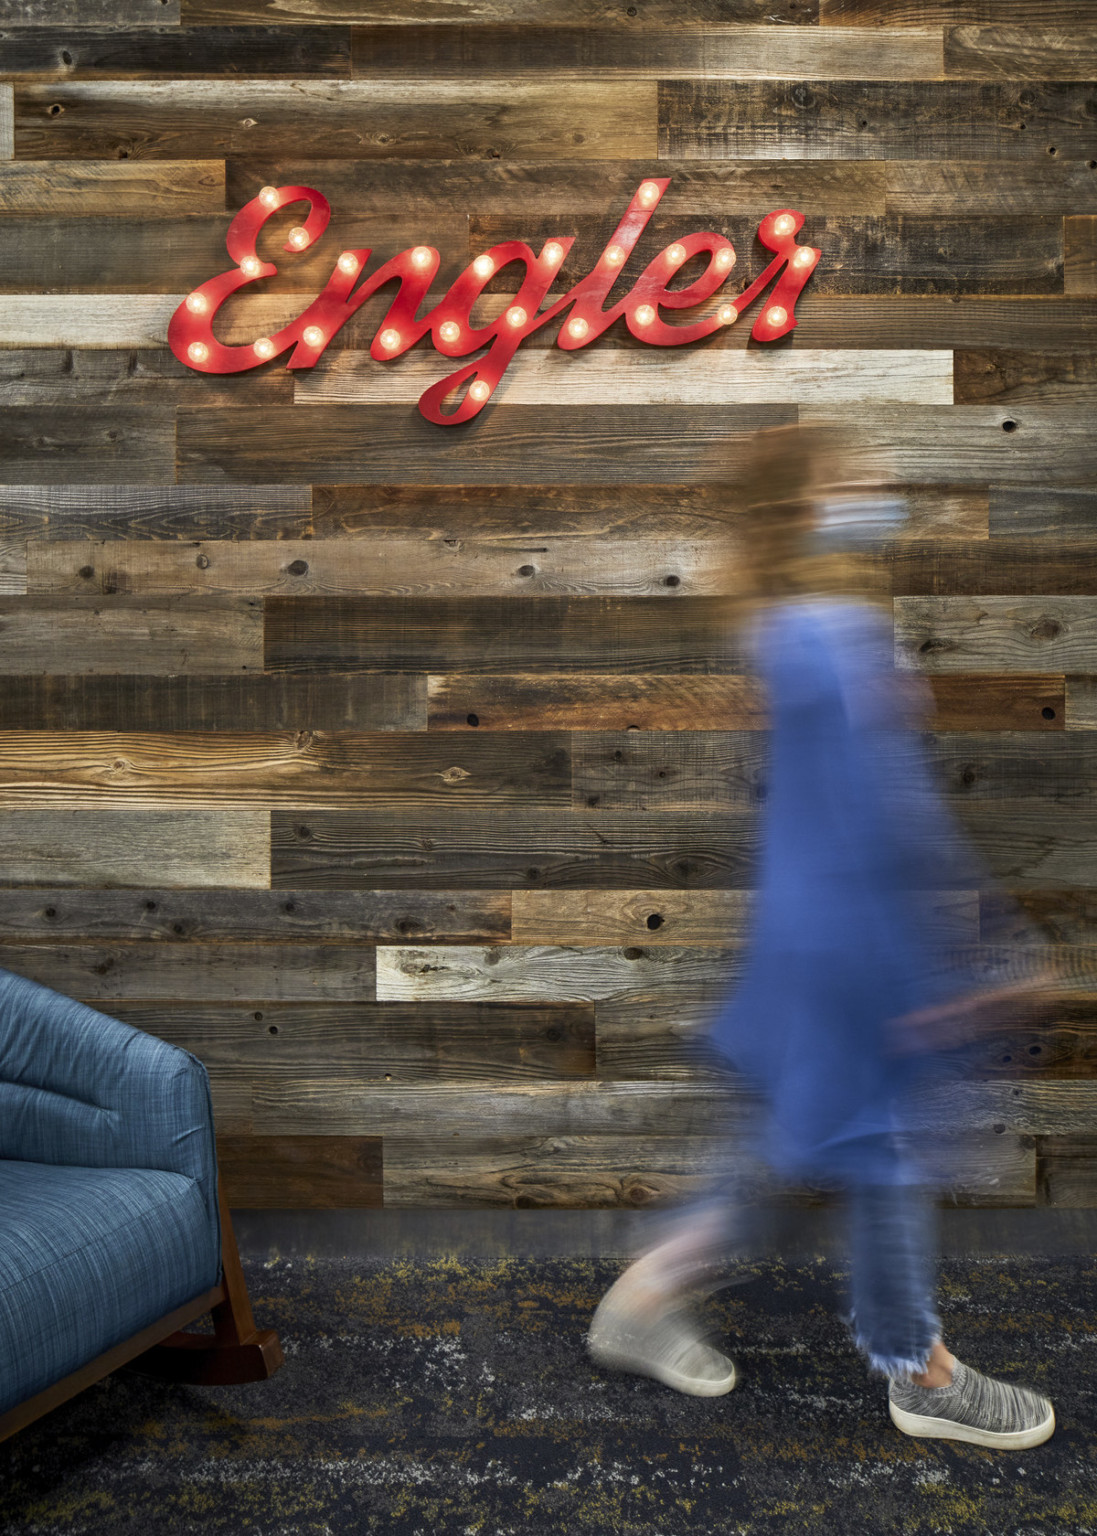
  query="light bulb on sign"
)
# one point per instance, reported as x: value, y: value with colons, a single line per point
x: 724, y: 259
x: 389, y: 339
x: 727, y: 315
x: 269, y: 197
x: 298, y: 237
x: 348, y: 263
x: 251, y: 266
x: 312, y: 336
x: 804, y: 257
x: 420, y: 257
x: 450, y: 331
x: 198, y: 352
x: 479, y: 390
x: 648, y: 194
x: 776, y: 315
x: 615, y: 255
x: 264, y: 347
x: 578, y: 327
x: 644, y: 315
x: 784, y: 225
x: 676, y: 254
x: 516, y: 316
x: 197, y: 303
x: 554, y: 252
x: 483, y: 266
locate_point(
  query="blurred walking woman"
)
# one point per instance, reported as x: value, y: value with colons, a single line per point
x: 848, y: 988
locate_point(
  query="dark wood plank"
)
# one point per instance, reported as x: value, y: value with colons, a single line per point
x: 301, y: 1172
x: 194, y: 848
x: 1021, y: 52
x: 997, y: 375
x: 101, y: 444
x: 936, y: 13
x: 533, y: 701
x: 86, y: 53
x: 380, y: 120
x: 501, y: 635
x: 1013, y: 567
x: 1046, y: 325
x: 989, y: 703
x: 997, y: 634
x: 304, y: 769
x: 1035, y: 846
x: 1066, y: 1171
x: 1065, y: 515
x: 148, y: 637
x: 232, y: 916
x: 1063, y: 1048
x: 989, y: 187
x: 1061, y: 916
x: 526, y: 849
x: 364, y: 701
x: 401, y: 13
x: 1080, y: 254
x: 1060, y: 769
x: 856, y: 119
x: 47, y: 377
x: 155, y: 512
x: 116, y: 187
x: 71, y: 13
x: 669, y: 770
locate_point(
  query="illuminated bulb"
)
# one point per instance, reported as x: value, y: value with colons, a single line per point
x: 348, y: 263
x: 644, y: 315
x: 269, y: 197
x: 516, y: 315
x: 804, y: 257
x: 479, y: 390
x: 615, y: 255
x: 312, y: 335
x: 554, y: 252
x: 648, y: 193
x: 676, y: 254
x: 483, y: 266
x: 725, y: 259
x: 197, y: 303
x: 251, y: 266
x: 784, y: 225
x: 449, y: 330
x: 389, y: 339
x: 776, y: 315
x: 421, y: 256
x: 298, y: 237
x: 264, y: 347
x: 198, y: 352
x: 578, y: 327
x: 728, y: 315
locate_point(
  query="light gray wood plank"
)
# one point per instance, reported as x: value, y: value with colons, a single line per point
x: 86, y: 320
x: 166, y: 189
x: 13, y: 567
x: 1082, y: 703
x: 997, y: 634
x: 87, y: 13
x: 520, y: 973
x: 112, y: 848
x: 7, y: 122
x: 85, y: 635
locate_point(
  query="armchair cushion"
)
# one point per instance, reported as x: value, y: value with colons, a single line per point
x: 90, y: 1256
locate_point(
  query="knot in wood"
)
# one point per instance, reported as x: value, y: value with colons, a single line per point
x: 1046, y: 629
x: 454, y: 775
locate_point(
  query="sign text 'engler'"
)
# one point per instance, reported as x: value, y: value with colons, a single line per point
x: 449, y: 323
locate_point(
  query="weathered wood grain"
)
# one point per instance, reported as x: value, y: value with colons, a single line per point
x: 1035, y: 846
x: 1066, y: 1171
x: 87, y: 53
x: 111, y: 848
x: 301, y: 1172
x: 633, y: 635
x: 669, y: 770
x: 1060, y: 916
x: 1015, y: 566
x: 538, y: 701
x: 1005, y: 703
x: 1067, y: 515
x: 115, y: 187
x: 997, y: 634
x: 71, y: 320
x: 150, y: 379
x: 97, y: 972
x: 819, y: 118
x: 480, y: 119
x: 364, y: 701
x: 13, y: 568
x: 7, y: 122
x: 72, y: 13
x: 1082, y: 703
x: 1047, y: 325
x: 388, y: 850
x: 1064, y: 1047
x: 1005, y: 377
x: 1021, y: 53
x: 155, y: 512
x: 650, y: 52
x: 101, y: 444
x: 1055, y: 769
x: 146, y: 638
x: 303, y: 769
x: 524, y: 973
x: 1080, y: 256
x: 989, y: 187
x: 214, y: 916
x: 929, y: 13
x: 401, y: 13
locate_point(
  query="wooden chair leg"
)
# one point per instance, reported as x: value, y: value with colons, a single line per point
x: 236, y: 1351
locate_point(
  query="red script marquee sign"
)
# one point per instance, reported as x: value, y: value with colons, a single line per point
x: 449, y: 324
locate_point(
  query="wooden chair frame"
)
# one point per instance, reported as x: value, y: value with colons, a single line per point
x: 236, y: 1351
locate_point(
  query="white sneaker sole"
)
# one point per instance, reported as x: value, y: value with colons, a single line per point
x: 926, y: 1427
x: 693, y: 1386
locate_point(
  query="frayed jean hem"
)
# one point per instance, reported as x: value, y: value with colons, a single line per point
x: 895, y: 1367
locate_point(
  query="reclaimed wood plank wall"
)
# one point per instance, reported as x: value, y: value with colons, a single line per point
x: 404, y: 773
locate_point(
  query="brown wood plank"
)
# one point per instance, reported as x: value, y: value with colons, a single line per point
x: 402, y: 13
x: 155, y: 512
x: 998, y: 375
x: 535, y: 701
x: 365, y: 701
x: 855, y: 119
x: 1057, y: 769
x: 400, y: 120
x: 89, y: 53
x: 98, y: 972
x: 114, y: 187
x: 302, y: 769
x: 1021, y: 52
x: 997, y: 634
x: 669, y: 770
x: 1014, y: 566
x: 1066, y: 1171
x: 301, y: 1172
x: 989, y: 187
x: 70, y: 13
x: 988, y: 703
x: 48, y: 377
x: 930, y: 13
x: 145, y: 637
x: 99, y: 444
x: 133, y: 848
x: 635, y: 635
x: 1061, y: 916
x: 212, y: 916
x: 1046, y: 325
x: 1066, y: 515
x: 387, y: 850
x: 1062, y: 1047
x: 1035, y: 845
x: 1080, y: 256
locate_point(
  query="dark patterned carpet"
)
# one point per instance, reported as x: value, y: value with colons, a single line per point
x: 451, y: 1398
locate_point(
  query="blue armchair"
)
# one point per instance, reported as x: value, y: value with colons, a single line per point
x: 112, y: 1233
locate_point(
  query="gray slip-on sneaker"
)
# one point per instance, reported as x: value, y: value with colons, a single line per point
x: 668, y: 1347
x: 975, y: 1408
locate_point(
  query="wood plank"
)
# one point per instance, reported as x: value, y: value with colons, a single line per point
x: 1035, y: 846
x: 1080, y: 256
x: 73, y: 13
x: 7, y: 122
x: 155, y: 512
x: 927, y: 13
x: 150, y: 379
x: 740, y: 52
x: 854, y: 119
x: 1057, y: 769
x: 378, y: 1043
x: 85, y: 52
x: 673, y: 378
x: 1065, y: 514
x: 1063, y: 1048
x: 115, y: 187
x: 302, y: 769
x: 532, y: 973
x: 401, y: 13
x: 1005, y: 377
x: 1060, y: 916
x: 1066, y: 1171
x: 1021, y: 52
x: 301, y: 1172
x: 87, y: 635
x: 377, y: 120
x: 633, y: 635
x: 669, y: 770
x: 1014, y: 566
x: 997, y: 634
x: 214, y: 916
x: 102, y: 444
x: 1082, y: 704
x: 69, y: 320
x: 989, y: 187
x: 13, y: 568
x: 112, y: 848
x: 386, y: 850
x: 99, y: 972
x: 366, y: 701
x: 1003, y: 703
x: 527, y: 445
x: 534, y: 701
